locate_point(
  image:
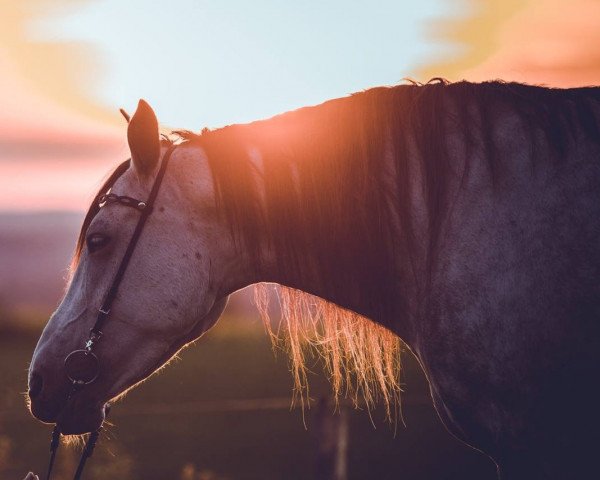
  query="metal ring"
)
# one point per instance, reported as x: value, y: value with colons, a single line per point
x: 82, y: 367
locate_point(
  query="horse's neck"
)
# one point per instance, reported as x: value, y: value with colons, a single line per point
x: 405, y: 278
x: 358, y: 254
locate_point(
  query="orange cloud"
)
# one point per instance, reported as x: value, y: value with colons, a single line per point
x: 550, y: 42
x: 55, y: 143
x: 51, y: 183
x: 42, y: 70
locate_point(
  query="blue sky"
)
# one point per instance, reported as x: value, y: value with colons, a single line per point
x: 210, y: 63
x: 68, y: 65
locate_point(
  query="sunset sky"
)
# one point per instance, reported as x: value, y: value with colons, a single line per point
x: 68, y: 65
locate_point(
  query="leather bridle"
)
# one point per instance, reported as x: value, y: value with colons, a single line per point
x: 82, y: 366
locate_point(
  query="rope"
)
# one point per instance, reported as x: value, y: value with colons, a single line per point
x: 87, y: 452
x: 54, y: 443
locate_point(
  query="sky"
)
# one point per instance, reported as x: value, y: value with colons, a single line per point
x: 68, y: 65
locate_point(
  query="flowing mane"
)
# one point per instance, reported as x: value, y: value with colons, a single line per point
x: 341, y: 170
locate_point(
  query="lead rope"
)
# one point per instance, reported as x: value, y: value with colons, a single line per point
x: 88, y: 450
x: 54, y: 443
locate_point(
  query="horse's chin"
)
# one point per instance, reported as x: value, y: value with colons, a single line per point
x: 81, y: 418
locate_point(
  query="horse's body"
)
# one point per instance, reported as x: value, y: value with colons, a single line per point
x: 464, y: 218
x: 515, y: 290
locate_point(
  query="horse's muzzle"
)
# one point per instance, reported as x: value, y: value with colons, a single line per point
x: 44, y: 409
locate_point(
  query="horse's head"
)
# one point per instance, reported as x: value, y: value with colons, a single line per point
x: 172, y: 290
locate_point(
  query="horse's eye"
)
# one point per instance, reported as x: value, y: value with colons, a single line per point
x: 96, y: 241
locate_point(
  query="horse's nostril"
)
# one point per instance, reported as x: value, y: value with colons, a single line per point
x: 35, y: 384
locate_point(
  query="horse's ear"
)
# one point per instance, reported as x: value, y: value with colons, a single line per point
x: 143, y: 138
x: 126, y: 116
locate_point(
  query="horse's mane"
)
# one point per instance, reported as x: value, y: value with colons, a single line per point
x: 333, y: 209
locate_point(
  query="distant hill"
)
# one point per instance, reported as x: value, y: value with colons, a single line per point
x: 35, y: 250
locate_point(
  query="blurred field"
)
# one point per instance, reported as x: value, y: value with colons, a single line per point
x: 183, y: 420
x: 221, y: 412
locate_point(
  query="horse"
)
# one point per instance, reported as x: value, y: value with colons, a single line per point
x: 461, y: 219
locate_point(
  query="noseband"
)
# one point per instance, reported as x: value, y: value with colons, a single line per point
x: 82, y: 366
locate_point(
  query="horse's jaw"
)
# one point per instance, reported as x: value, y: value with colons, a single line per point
x: 84, y: 410
x: 84, y: 418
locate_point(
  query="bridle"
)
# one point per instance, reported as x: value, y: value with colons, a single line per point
x: 82, y: 366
